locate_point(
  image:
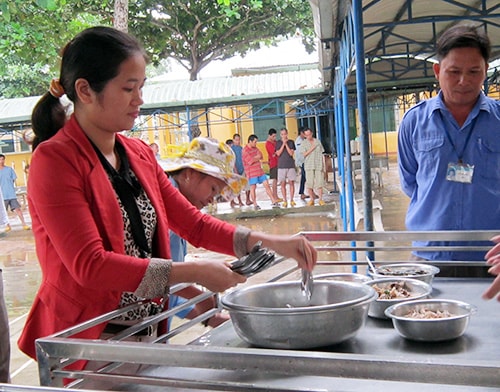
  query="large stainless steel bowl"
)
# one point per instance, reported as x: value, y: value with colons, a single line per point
x: 424, y: 272
x: 416, y: 288
x: 278, y: 315
x: 344, y: 276
x: 431, y: 329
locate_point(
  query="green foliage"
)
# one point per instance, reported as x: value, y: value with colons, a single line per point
x: 32, y: 33
x: 23, y: 80
x: 201, y: 31
x: 195, y: 32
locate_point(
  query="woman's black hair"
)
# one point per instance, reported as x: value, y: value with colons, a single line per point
x: 94, y: 55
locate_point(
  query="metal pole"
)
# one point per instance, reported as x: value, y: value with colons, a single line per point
x: 357, y: 9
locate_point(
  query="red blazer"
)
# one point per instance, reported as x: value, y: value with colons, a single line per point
x: 78, y: 229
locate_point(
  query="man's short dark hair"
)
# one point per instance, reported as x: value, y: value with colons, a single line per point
x: 272, y: 131
x: 463, y: 36
x: 252, y: 137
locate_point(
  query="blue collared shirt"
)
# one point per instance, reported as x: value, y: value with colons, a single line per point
x: 7, y: 178
x: 424, y: 152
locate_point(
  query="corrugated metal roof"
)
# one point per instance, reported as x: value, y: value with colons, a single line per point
x: 17, y: 109
x: 210, y: 91
x: 394, y: 29
x: 232, y: 89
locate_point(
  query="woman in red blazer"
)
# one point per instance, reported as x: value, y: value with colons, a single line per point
x: 83, y: 176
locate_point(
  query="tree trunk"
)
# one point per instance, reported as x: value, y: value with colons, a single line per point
x: 120, y: 21
x: 193, y: 75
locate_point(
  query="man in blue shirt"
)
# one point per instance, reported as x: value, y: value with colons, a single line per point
x: 7, y: 178
x: 449, y: 147
x: 238, y: 153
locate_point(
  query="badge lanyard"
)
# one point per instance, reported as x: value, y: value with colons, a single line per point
x: 460, y: 171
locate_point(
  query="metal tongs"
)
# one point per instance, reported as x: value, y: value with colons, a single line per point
x: 371, y: 265
x: 306, y: 284
x: 257, y: 260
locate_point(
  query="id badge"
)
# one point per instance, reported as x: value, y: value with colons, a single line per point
x: 460, y: 172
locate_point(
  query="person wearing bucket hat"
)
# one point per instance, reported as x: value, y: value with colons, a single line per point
x: 102, y: 206
x: 201, y: 171
x: 206, y: 157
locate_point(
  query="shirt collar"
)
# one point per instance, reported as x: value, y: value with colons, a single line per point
x: 481, y: 103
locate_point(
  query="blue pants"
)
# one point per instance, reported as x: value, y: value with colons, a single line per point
x: 302, y: 179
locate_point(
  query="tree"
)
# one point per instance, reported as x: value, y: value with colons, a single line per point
x: 193, y: 32
x: 32, y: 33
x: 197, y: 32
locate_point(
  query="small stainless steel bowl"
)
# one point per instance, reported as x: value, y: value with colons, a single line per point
x: 344, y: 276
x: 431, y: 329
x: 424, y: 272
x: 278, y: 315
x: 417, y: 288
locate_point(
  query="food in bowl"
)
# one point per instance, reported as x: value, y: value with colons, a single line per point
x: 428, y: 314
x: 452, y: 322
x: 410, y: 271
x: 394, y: 290
x: 422, y: 272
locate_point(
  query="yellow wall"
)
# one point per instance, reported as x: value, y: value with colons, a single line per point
x: 222, y: 126
x: 379, y: 140
x: 18, y: 162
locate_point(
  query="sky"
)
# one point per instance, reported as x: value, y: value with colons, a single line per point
x: 287, y: 52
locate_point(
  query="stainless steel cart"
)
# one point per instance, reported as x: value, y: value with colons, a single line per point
x: 376, y: 359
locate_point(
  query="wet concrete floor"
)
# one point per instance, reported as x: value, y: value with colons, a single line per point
x: 22, y: 275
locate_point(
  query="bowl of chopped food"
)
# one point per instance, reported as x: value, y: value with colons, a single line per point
x: 431, y: 320
x: 395, y: 290
x: 424, y: 272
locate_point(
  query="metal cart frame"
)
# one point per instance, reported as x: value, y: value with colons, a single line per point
x: 233, y: 366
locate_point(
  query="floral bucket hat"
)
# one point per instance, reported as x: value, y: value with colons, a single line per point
x: 208, y: 156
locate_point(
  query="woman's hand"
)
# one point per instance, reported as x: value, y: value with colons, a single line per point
x: 494, y: 253
x: 493, y: 259
x: 216, y: 276
x: 295, y: 247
